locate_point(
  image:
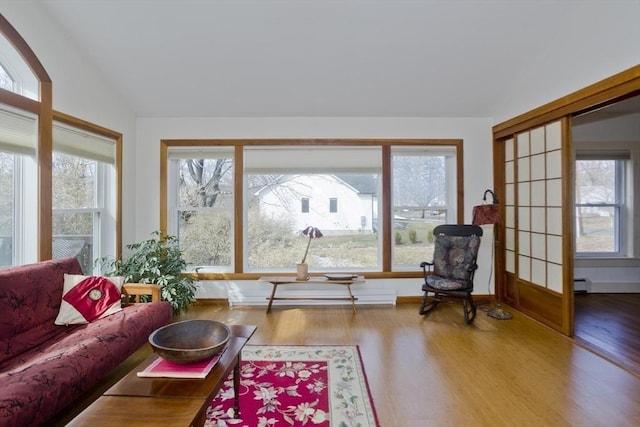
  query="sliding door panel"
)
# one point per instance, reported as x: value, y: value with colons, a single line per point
x: 537, y: 207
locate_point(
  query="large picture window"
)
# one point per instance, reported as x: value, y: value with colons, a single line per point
x: 276, y: 177
x: 249, y: 219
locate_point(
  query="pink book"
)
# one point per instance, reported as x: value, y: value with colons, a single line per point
x: 161, y: 368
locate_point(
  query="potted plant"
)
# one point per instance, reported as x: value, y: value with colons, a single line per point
x: 158, y: 261
x: 302, y: 267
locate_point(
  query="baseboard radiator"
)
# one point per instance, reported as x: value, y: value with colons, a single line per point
x: 366, y: 295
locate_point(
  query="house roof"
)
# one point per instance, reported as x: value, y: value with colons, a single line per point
x: 363, y: 183
x: 385, y: 58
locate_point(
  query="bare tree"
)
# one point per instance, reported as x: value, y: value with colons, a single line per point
x: 419, y: 181
x: 6, y: 193
x: 206, y: 180
x: 74, y: 187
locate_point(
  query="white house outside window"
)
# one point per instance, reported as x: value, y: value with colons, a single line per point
x: 279, y: 176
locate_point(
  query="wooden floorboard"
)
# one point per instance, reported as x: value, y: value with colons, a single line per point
x: 437, y: 371
x: 609, y: 325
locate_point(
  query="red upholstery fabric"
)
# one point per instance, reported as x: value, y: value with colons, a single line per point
x: 44, y: 367
x: 30, y: 299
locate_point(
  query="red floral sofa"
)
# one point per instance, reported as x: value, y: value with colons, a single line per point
x: 43, y: 366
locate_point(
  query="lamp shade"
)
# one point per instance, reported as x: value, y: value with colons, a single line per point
x: 486, y: 214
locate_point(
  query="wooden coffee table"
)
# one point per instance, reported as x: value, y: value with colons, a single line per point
x: 167, y: 401
x: 288, y: 280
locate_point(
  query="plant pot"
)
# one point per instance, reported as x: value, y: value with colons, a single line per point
x: 302, y: 272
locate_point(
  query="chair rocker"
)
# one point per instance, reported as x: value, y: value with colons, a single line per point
x: 450, y: 275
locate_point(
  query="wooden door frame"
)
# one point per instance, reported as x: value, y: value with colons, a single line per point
x: 610, y: 90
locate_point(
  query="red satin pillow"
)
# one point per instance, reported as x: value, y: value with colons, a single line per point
x: 87, y: 298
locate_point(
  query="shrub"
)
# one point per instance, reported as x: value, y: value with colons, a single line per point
x: 430, y: 236
x: 413, y: 236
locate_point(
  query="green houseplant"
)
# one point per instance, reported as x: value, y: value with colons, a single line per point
x: 159, y: 261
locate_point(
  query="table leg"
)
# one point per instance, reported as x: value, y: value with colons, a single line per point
x: 353, y: 301
x: 236, y: 388
x: 273, y: 293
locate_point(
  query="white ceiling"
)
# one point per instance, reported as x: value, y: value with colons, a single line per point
x: 429, y: 58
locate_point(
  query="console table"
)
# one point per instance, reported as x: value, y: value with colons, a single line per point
x: 291, y: 280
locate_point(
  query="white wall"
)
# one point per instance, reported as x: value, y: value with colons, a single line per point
x: 600, y: 39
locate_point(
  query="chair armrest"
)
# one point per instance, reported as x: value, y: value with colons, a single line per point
x: 424, y: 265
x: 139, y: 289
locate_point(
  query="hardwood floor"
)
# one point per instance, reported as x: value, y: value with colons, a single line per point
x: 609, y: 325
x: 437, y: 371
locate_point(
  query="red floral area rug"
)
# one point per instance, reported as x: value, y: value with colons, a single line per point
x: 297, y: 386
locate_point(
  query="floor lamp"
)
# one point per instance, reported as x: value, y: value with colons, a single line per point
x: 484, y: 214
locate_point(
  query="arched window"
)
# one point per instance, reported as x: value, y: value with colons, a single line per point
x: 36, y: 145
x: 25, y: 111
x: 6, y: 81
x: 16, y: 73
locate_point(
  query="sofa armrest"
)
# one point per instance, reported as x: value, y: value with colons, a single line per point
x: 137, y: 290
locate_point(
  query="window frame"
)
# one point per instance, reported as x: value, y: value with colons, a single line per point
x: 404, y: 258
x: 102, y: 212
x: 333, y: 205
x: 24, y: 185
x: 40, y: 104
x: 385, y: 228
x: 175, y: 210
x: 621, y: 205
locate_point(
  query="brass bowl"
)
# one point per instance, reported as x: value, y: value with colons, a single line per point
x: 190, y: 340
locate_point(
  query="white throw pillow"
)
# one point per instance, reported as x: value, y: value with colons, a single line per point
x: 87, y: 298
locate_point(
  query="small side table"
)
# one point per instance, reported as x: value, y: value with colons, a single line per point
x: 290, y: 280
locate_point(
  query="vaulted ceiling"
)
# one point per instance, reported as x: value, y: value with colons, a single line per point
x: 430, y: 58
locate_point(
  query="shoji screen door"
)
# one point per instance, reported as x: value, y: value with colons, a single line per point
x: 537, y: 243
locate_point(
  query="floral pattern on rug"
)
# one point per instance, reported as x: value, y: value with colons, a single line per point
x: 297, y: 386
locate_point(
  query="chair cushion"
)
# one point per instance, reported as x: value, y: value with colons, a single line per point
x: 454, y: 256
x: 445, y: 284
